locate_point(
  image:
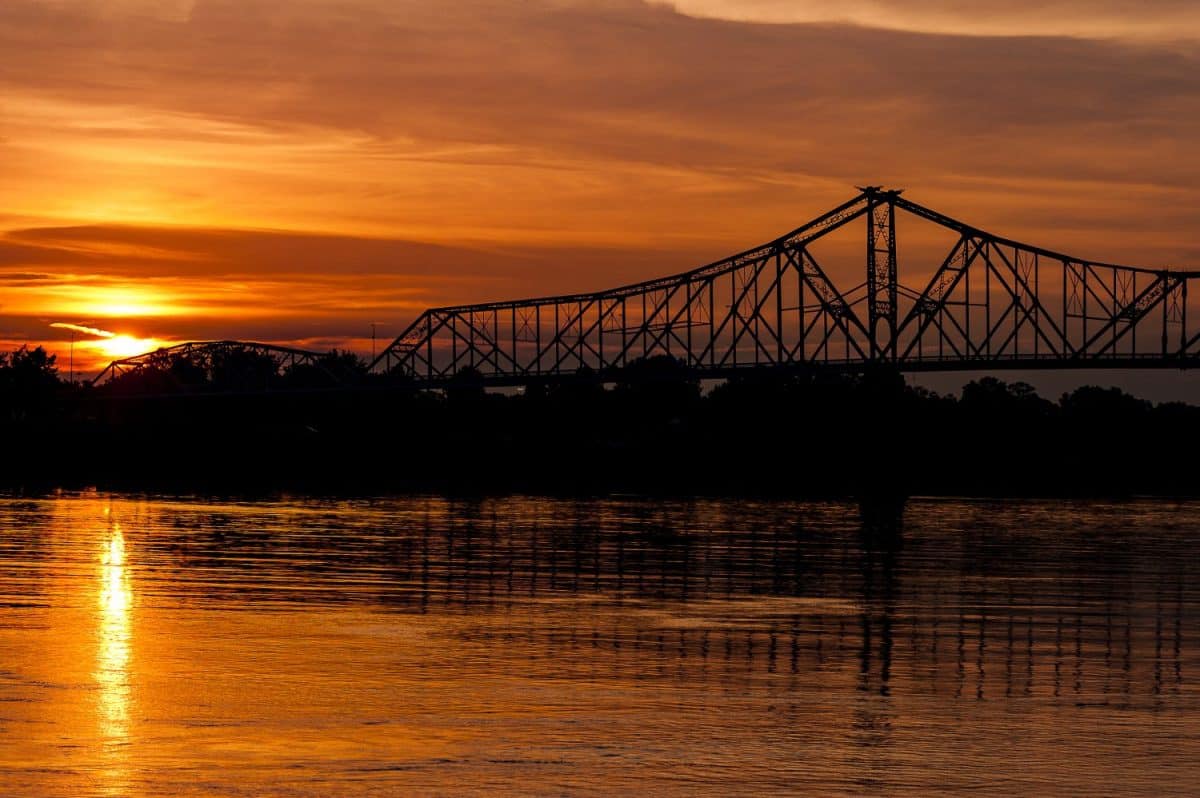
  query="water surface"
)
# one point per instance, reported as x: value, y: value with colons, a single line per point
x: 527, y: 646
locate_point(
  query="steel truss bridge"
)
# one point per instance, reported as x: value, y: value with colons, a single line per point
x: 209, y: 357
x: 987, y: 303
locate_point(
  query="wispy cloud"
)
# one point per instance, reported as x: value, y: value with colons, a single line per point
x: 1113, y: 19
x: 80, y: 328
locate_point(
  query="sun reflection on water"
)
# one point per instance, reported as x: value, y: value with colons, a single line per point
x: 113, y: 653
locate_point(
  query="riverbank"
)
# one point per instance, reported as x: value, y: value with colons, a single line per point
x: 826, y: 437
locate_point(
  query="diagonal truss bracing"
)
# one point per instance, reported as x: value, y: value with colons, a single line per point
x: 212, y: 356
x: 989, y: 302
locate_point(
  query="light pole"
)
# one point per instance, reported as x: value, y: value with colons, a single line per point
x: 374, y: 348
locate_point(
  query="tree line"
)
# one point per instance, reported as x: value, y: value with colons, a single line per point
x: 241, y: 418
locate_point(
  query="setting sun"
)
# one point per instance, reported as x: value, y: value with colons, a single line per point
x: 122, y: 346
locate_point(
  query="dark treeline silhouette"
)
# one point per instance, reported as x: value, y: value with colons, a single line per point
x: 225, y: 367
x: 243, y: 419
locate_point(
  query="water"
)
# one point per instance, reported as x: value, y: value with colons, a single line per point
x: 527, y: 646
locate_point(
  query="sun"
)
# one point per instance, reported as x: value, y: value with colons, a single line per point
x: 122, y: 346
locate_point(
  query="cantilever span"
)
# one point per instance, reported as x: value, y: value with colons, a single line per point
x: 987, y: 303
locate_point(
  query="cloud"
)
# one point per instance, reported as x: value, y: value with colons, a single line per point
x: 174, y: 284
x: 24, y: 278
x: 1121, y: 19
x: 80, y: 328
x: 308, y: 167
x: 543, y: 84
x: 133, y: 252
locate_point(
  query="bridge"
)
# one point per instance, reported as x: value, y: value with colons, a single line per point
x: 206, y: 360
x: 987, y: 303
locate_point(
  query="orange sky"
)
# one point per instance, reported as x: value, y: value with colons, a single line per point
x: 293, y: 172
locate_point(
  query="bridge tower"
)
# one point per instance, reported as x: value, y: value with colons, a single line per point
x: 881, y: 271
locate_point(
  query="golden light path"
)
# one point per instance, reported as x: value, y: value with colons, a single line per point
x: 113, y: 656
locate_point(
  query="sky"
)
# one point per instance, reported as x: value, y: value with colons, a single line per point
x: 298, y: 172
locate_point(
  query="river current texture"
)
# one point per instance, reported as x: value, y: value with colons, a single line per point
x: 528, y: 646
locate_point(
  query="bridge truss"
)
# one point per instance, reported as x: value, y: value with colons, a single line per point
x: 209, y: 358
x: 990, y: 303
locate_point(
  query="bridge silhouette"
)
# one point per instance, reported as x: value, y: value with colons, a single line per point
x: 210, y: 357
x: 988, y: 303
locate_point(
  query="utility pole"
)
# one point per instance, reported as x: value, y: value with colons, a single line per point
x: 374, y: 347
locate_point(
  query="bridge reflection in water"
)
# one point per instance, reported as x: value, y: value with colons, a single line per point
x: 724, y: 591
x: 430, y: 646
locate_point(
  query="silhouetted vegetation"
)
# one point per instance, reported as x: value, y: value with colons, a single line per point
x: 29, y: 385
x: 249, y: 419
x: 236, y: 368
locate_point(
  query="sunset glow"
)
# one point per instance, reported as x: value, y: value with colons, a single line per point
x: 187, y: 171
x: 93, y: 347
x: 122, y: 346
x: 599, y: 397
x: 114, y: 303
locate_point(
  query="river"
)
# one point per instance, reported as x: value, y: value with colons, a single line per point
x: 155, y: 645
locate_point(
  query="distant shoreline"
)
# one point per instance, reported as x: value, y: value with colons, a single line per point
x: 869, y: 436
